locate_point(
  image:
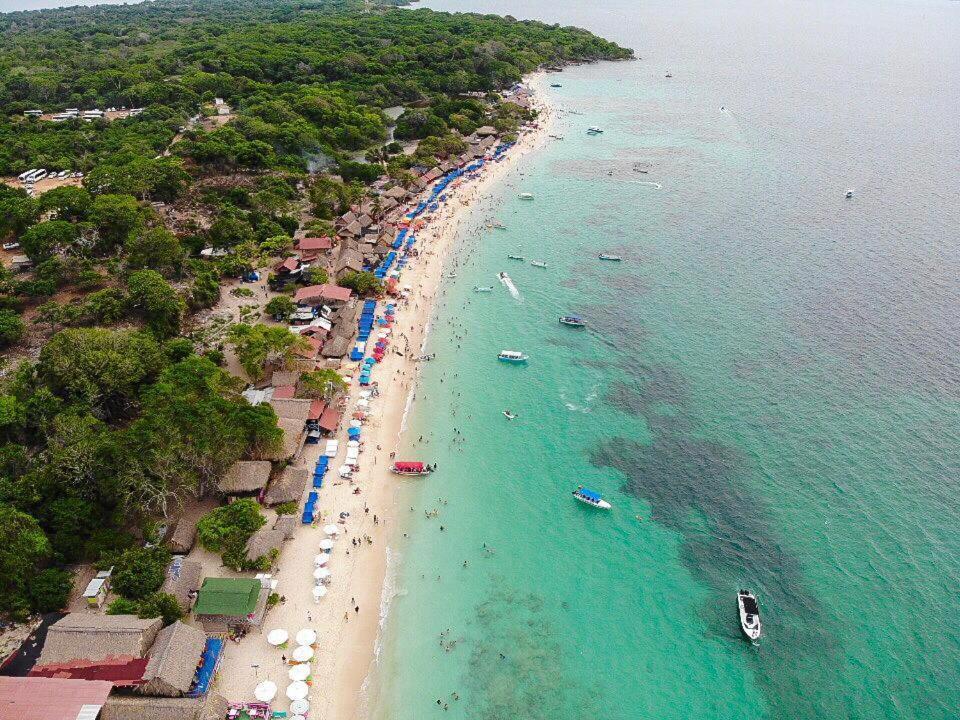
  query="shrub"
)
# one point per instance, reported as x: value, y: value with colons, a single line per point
x: 287, y: 508
x: 161, y: 605
x: 140, y: 571
x: 50, y: 589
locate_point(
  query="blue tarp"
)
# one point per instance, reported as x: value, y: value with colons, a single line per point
x: 590, y: 494
x: 211, y: 657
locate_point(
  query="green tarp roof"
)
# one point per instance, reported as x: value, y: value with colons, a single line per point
x: 227, y: 596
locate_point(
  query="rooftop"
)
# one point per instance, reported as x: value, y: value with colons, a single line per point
x: 233, y: 597
x: 62, y: 699
x: 322, y: 292
x: 89, y: 636
x: 245, y: 476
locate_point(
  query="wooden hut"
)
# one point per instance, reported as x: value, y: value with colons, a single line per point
x: 244, y: 477
x: 125, y: 707
x: 289, y: 486
x: 265, y: 543
x: 93, y: 637
x: 173, y: 661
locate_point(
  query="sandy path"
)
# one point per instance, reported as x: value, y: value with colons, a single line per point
x: 347, y: 636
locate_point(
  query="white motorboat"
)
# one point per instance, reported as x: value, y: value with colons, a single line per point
x: 525, y: 196
x: 749, y: 614
x: 509, y: 415
x: 591, y: 498
x: 512, y: 356
x: 538, y: 263
x: 612, y: 258
x: 482, y: 288
x: 516, y: 257
x: 594, y: 130
x: 849, y: 194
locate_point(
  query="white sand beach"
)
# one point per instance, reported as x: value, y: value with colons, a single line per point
x: 347, y: 619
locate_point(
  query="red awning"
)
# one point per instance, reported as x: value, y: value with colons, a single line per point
x: 284, y: 392
x: 408, y: 466
x: 317, y: 408
x: 330, y: 419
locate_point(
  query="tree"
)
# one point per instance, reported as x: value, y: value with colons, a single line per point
x: 46, y: 239
x: 162, y: 605
x: 11, y: 328
x: 362, y: 283
x: 66, y: 202
x: 50, y: 589
x: 115, y: 217
x: 258, y: 346
x: 156, y: 301
x: 280, y: 307
x: 315, y: 275
x: 23, y: 546
x: 17, y: 213
x: 205, y: 291
x: 157, y: 249
x: 227, y: 529
x: 123, y: 606
x: 324, y: 383
x: 228, y: 231
x: 418, y: 124
x: 104, y: 307
x: 139, y: 571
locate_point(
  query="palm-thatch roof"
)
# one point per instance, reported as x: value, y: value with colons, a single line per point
x: 87, y: 636
x: 291, y: 408
x: 183, y: 577
x: 124, y: 707
x: 173, y: 661
x: 336, y: 347
x: 294, y: 435
x: 263, y: 542
x: 289, y: 486
x: 245, y: 476
x: 288, y: 524
x: 285, y: 377
x: 184, y: 535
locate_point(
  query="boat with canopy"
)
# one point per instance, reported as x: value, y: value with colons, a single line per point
x: 512, y: 356
x: 573, y: 321
x: 611, y: 258
x: 590, y: 497
x: 749, y: 614
x: 410, y: 468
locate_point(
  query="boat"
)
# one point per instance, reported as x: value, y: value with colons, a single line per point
x: 591, y: 498
x: 573, y: 321
x: 411, y: 468
x: 516, y: 257
x: 538, y: 263
x: 482, y: 288
x: 594, y: 130
x: 451, y: 275
x: 555, y: 85
x: 612, y: 258
x: 749, y: 614
x: 512, y: 356
x: 525, y: 196
x: 849, y: 194
x: 499, y: 226
x: 509, y: 415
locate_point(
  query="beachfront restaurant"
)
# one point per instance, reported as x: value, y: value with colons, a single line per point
x: 224, y: 604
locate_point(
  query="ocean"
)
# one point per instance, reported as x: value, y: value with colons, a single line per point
x: 768, y: 390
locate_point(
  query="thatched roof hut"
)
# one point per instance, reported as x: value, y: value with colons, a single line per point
x: 336, y: 347
x: 285, y: 377
x: 245, y: 476
x: 87, y: 636
x: 292, y: 408
x: 289, y: 486
x: 294, y: 435
x: 183, y: 578
x: 263, y: 542
x: 173, y: 661
x: 123, y: 707
x: 288, y: 524
x: 184, y: 535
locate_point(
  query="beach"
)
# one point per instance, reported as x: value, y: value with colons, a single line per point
x: 348, y: 619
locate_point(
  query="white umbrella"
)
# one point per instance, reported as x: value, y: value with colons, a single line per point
x: 356, y: 424
x: 299, y: 672
x: 299, y: 706
x: 307, y: 636
x: 326, y: 544
x: 320, y: 573
x: 302, y: 654
x: 297, y: 690
x: 299, y: 717
x: 345, y: 471
x: 277, y: 637
x: 321, y: 559
x: 363, y: 403
x: 265, y: 691
x: 353, y: 443
x: 331, y: 529
x: 318, y: 592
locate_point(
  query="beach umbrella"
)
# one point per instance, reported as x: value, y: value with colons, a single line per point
x: 326, y: 544
x: 321, y: 573
x: 277, y: 637
x: 321, y: 559
x: 300, y: 707
x: 298, y: 689
x: 331, y: 529
x: 318, y: 592
x: 265, y: 691
x: 307, y: 636
x: 353, y: 443
x: 356, y: 424
x: 363, y: 403
x: 299, y: 672
x: 298, y: 717
x: 302, y: 654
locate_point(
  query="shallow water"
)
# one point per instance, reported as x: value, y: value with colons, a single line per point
x: 768, y: 390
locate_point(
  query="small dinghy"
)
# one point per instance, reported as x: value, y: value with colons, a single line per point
x: 512, y: 356
x: 509, y: 415
x: 611, y: 258
x: 525, y: 196
x: 849, y: 194
x: 573, y: 321
x: 749, y: 614
x: 538, y: 263
x: 591, y: 498
x: 594, y: 130
x: 516, y: 257
x: 411, y: 468
x: 482, y: 288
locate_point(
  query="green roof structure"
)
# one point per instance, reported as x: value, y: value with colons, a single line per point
x: 234, y: 597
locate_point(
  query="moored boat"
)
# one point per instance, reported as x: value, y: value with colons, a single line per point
x: 516, y: 257
x: 594, y: 130
x: 411, y: 468
x: 590, y: 497
x: 573, y: 321
x: 749, y: 614
x: 525, y: 196
x: 482, y: 288
x: 612, y: 258
x: 512, y: 356
x: 509, y: 415
x: 538, y: 263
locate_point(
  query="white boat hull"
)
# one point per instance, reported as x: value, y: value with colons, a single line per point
x: 601, y: 504
x: 749, y: 622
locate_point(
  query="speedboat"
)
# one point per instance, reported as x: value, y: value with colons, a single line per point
x: 509, y: 415
x: 749, y: 614
x: 594, y: 130
x: 591, y: 498
x: 525, y: 196
x: 479, y: 288
x: 555, y: 85
x: 538, y: 263
x: 573, y: 321
x: 849, y: 194
x: 512, y: 356
x: 411, y: 468
x: 612, y: 258
x: 516, y: 257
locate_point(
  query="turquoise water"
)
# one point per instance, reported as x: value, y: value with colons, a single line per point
x: 768, y: 391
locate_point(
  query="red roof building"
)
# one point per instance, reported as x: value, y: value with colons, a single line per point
x: 314, y: 244
x: 284, y: 392
x: 40, y: 698
x: 329, y: 419
x: 287, y: 266
x: 317, y: 407
x: 120, y: 671
x: 316, y: 294
x: 313, y: 347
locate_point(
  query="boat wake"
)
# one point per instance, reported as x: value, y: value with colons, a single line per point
x: 573, y: 407
x: 508, y: 284
x: 657, y: 185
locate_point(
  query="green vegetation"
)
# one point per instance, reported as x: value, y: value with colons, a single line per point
x: 362, y: 283
x: 261, y: 346
x: 280, y: 307
x: 158, y: 604
x: 324, y: 383
x: 140, y: 571
x: 227, y: 529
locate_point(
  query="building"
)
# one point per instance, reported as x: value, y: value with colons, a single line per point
x: 244, y: 477
x: 183, y: 580
x: 42, y: 698
x: 93, y: 637
x: 173, y: 661
x: 265, y: 543
x: 122, y: 707
x: 289, y: 486
x: 322, y: 294
x: 310, y: 248
x: 223, y: 603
